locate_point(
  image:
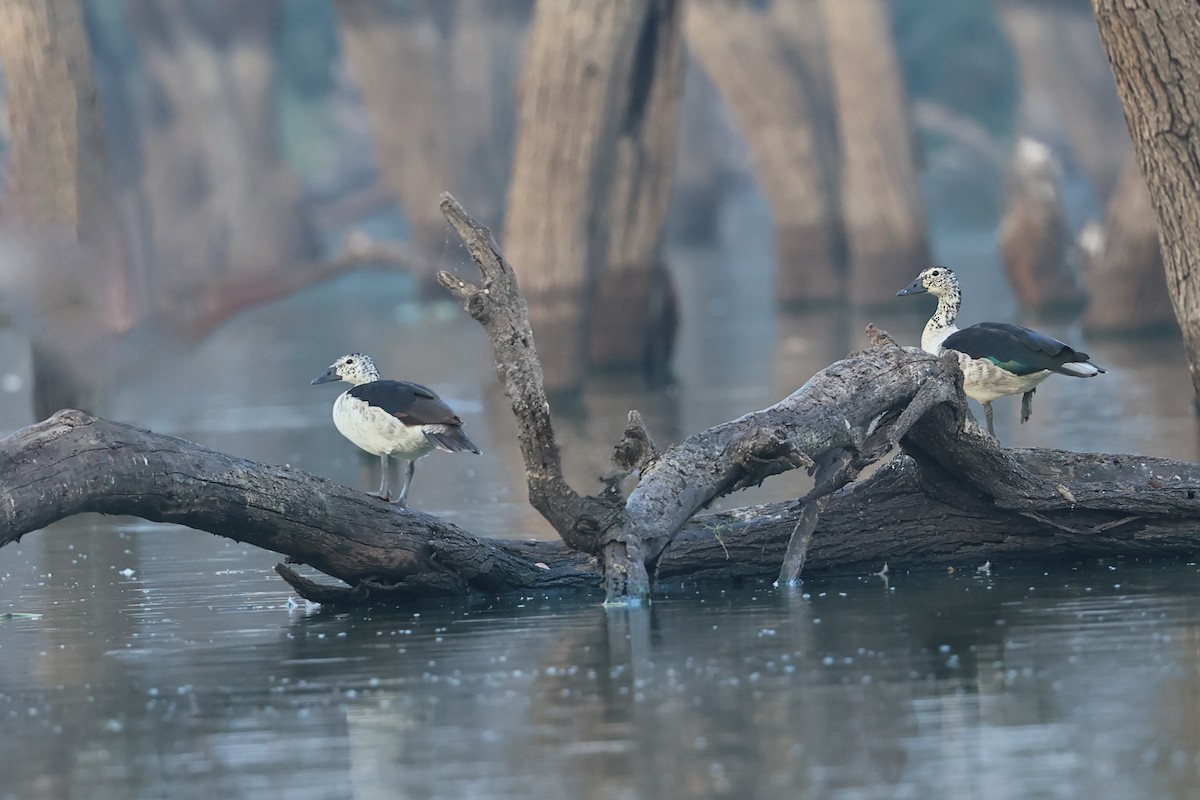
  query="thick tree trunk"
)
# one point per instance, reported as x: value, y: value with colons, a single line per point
x: 1036, y: 245
x: 64, y: 279
x: 577, y: 95
x: 486, y: 45
x: 223, y: 204
x: 1154, y: 47
x: 396, y: 56
x: 765, y: 72
x: 881, y: 201
x: 955, y: 497
x: 55, y: 174
x: 1127, y: 288
x: 636, y: 314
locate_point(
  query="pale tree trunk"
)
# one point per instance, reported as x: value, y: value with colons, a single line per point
x: 1036, y: 245
x: 396, y: 56
x: 798, y: 25
x: 762, y: 64
x: 1128, y: 292
x: 1066, y: 88
x: 635, y: 316
x: 576, y: 96
x: 61, y: 271
x: 1154, y: 47
x: 223, y: 203
x: 486, y: 44
x: 881, y: 202
x: 55, y: 177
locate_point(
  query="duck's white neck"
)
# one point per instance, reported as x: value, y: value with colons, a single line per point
x: 363, y: 375
x: 941, y: 324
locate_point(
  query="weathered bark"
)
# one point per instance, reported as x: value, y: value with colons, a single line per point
x: 74, y: 463
x: 1154, y: 47
x: 222, y: 203
x: 881, y: 202
x: 498, y: 306
x: 765, y: 72
x: 396, y: 56
x: 1066, y: 91
x: 577, y: 95
x: 999, y: 503
x: 636, y: 315
x: 1036, y: 245
x: 1126, y: 286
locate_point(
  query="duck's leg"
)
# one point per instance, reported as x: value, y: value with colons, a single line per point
x: 410, y: 467
x: 1027, y: 405
x: 384, y: 494
x: 987, y: 415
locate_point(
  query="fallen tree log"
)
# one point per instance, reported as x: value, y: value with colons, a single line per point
x: 953, y: 497
x: 913, y: 513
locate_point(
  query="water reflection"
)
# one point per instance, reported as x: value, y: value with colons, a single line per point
x: 1008, y: 684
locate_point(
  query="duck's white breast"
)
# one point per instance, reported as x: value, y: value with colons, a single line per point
x: 376, y: 431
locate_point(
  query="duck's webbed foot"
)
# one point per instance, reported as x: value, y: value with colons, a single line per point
x: 1027, y: 405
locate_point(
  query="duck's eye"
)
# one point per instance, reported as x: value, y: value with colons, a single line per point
x: 349, y: 362
x: 935, y: 273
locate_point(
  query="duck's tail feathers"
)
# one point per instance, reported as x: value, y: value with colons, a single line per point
x: 450, y: 438
x: 1080, y: 369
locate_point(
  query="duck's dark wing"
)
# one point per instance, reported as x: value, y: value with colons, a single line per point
x: 1013, y: 347
x: 411, y: 403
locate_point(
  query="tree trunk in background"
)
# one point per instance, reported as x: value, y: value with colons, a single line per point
x: 1154, y: 47
x: 635, y: 316
x: 486, y: 45
x: 1066, y: 85
x: 884, y: 213
x: 759, y: 67
x: 61, y: 272
x: 1036, y: 245
x: 224, y: 206
x: 54, y: 177
x: 1127, y: 288
x: 396, y: 56
x: 576, y: 96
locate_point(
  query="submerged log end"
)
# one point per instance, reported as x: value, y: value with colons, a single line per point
x: 323, y: 593
x: 423, y: 585
x: 626, y: 578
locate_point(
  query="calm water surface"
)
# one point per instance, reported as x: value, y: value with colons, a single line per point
x: 142, y: 678
x: 147, y: 661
